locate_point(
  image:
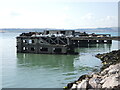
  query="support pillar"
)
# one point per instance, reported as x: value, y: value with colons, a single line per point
x: 83, y: 43
x: 19, y: 45
x: 92, y: 41
x: 75, y: 43
x: 101, y: 41
x: 109, y: 41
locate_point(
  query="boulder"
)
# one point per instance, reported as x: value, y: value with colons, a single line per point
x: 83, y: 77
x: 74, y: 86
x: 82, y: 85
x: 95, y: 82
x: 110, y: 81
x: 108, y: 77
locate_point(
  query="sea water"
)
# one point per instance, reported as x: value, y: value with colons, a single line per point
x: 22, y: 70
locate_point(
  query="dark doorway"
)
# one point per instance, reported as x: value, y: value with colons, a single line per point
x: 44, y: 49
x: 32, y: 49
x: 63, y: 32
x: 57, y: 50
x: 47, y: 32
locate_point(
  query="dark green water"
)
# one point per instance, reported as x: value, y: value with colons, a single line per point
x: 46, y: 71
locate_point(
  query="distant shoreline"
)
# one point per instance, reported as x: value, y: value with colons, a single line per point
x: 109, y: 29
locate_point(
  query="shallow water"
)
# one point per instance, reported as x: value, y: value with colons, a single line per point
x: 43, y: 70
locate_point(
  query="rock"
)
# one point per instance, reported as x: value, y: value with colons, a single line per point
x: 69, y: 85
x: 107, y: 78
x: 83, y: 77
x: 113, y: 71
x: 99, y: 86
x: 74, y: 86
x: 116, y: 87
x: 109, y: 58
x: 82, y: 85
x: 110, y: 82
x: 94, y: 82
x: 104, y: 72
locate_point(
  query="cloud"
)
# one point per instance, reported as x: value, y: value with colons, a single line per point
x: 82, y: 0
x: 86, y: 21
x: 32, y: 19
x: 88, y: 16
x: 42, y: 16
x: 108, y: 21
x: 15, y: 14
x: 15, y: 18
x: 89, y: 20
x: 66, y: 8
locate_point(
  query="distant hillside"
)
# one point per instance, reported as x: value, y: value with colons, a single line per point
x: 21, y: 30
x: 115, y: 29
x: 110, y: 29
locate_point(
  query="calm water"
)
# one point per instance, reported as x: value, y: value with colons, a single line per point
x: 46, y: 71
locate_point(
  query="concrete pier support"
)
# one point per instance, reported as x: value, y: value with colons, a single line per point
x: 109, y: 41
x: 83, y: 43
x: 19, y: 45
x: 92, y: 41
x: 46, y: 45
x: 75, y: 43
x: 101, y: 41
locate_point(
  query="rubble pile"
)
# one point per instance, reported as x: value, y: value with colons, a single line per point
x: 107, y: 78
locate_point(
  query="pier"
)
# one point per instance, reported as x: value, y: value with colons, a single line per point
x: 45, y: 45
x: 84, y: 41
x: 58, y: 41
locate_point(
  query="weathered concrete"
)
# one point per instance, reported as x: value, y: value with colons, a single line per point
x: 44, y: 42
x: 45, y: 45
x: 92, y: 41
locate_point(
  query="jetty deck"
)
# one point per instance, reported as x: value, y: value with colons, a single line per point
x: 84, y: 41
x: 97, y: 38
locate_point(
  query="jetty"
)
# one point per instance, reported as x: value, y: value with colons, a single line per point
x: 58, y: 41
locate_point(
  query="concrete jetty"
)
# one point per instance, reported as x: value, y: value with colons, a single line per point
x: 58, y: 41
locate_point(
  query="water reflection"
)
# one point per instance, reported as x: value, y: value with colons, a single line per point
x: 39, y: 70
x: 94, y: 48
x: 59, y: 69
x: 66, y: 62
x: 46, y: 61
x: 99, y: 46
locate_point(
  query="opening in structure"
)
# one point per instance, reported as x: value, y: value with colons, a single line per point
x: 47, y: 32
x: 43, y: 49
x: 25, y: 48
x: 63, y: 32
x: 24, y: 41
x: 31, y: 41
x: 57, y: 50
x: 41, y: 42
x: 32, y: 49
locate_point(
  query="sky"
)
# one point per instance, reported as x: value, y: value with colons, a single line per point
x: 60, y: 14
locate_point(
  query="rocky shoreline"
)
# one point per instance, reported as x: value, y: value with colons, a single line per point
x: 107, y: 78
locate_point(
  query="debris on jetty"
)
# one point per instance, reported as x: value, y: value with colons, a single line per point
x: 108, y: 78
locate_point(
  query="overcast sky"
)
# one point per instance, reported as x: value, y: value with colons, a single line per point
x: 64, y: 14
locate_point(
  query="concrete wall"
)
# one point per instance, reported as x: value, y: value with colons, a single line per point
x: 28, y: 45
